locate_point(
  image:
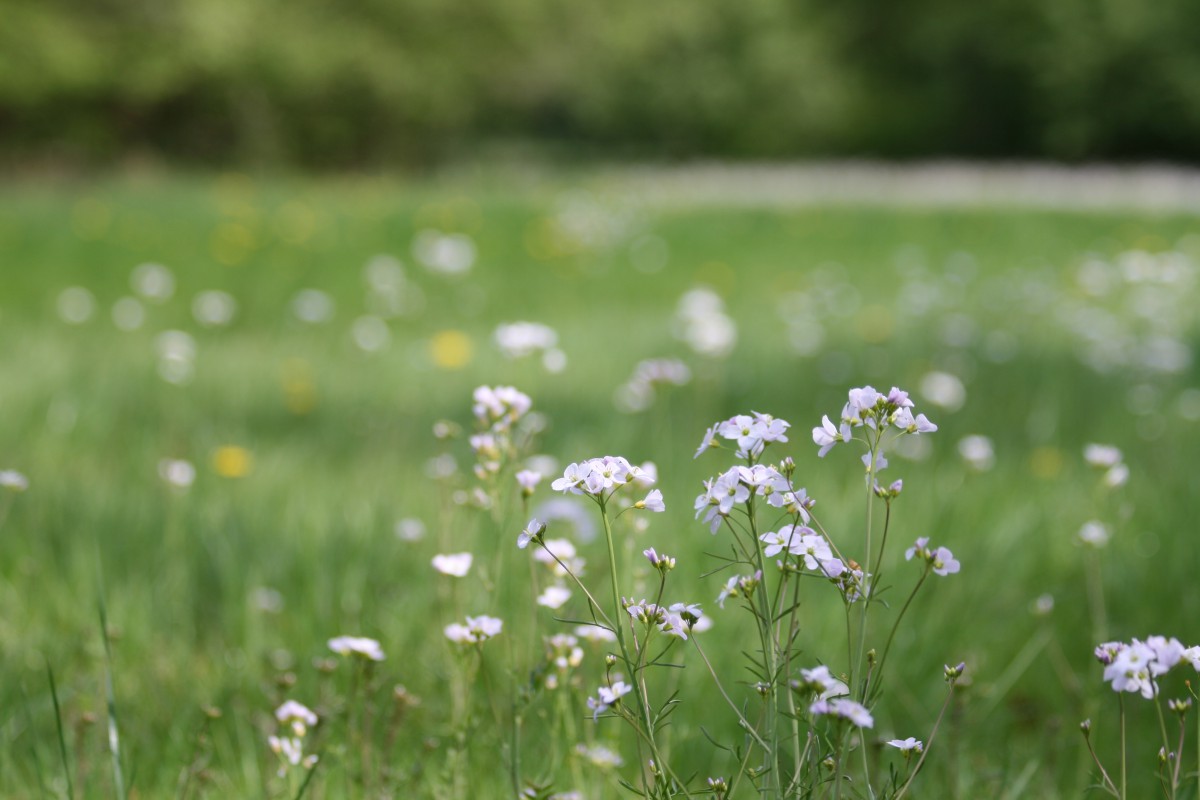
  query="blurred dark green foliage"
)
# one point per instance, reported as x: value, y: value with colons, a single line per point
x: 315, y: 83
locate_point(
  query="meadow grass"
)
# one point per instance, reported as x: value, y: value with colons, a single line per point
x: 220, y: 599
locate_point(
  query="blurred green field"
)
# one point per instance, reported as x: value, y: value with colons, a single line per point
x: 1063, y: 329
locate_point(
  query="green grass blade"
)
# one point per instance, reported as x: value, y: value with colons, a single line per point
x: 37, y: 761
x: 114, y: 736
x: 62, y: 739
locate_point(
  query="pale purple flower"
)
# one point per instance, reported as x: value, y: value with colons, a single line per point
x: 898, y: 398
x: 828, y: 435
x: 707, y: 442
x: 821, y: 682
x: 1130, y: 670
x: 1167, y: 653
x: 607, y: 697
x: 664, y: 563
x: 652, y: 502
x: 907, y: 746
x: 1192, y: 656
x: 843, y: 708
x: 532, y: 533
x: 944, y: 563
x: 300, y: 717
x: 573, y: 476
x: 874, y: 461
x: 528, y: 480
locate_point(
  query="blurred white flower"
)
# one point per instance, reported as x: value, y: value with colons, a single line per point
x: 943, y: 390
x: 520, y: 339
x: 76, y: 305
x: 701, y: 322
x: 1102, y: 456
x: 445, y: 253
x: 410, y: 529
x: 1094, y: 533
x: 359, y: 646
x: 214, y: 308
x: 371, y: 334
x: 128, y: 314
x: 153, y: 282
x: 178, y: 473
x: 176, y: 356
x: 554, y: 596
x: 455, y: 564
x: 312, y: 306
x: 13, y: 481
x: 977, y: 452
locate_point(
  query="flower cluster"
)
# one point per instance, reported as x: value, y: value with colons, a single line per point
x: 298, y: 718
x: 800, y: 540
x: 499, y: 408
x: 867, y: 407
x: 596, y: 476
x: 477, y: 630
x: 563, y: 654
x: 752, y: 432
x: 941, y: 559
x: 735, y: 486
x: 677, y: 619
x: 1135, y: 667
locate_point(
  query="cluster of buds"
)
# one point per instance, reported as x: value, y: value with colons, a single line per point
x: 662, y: 563
x: 739, y: 586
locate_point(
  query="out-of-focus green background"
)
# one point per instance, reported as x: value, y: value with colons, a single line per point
x: 278, y: 241
x: 333, y: 84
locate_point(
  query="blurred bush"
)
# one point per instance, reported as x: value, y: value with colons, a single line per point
x: 315, y: 83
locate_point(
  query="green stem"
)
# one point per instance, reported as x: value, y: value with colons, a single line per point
x: 1121, y: 700
x: 895, y: 625
x: 928, y: 745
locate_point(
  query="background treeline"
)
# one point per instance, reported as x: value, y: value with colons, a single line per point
x: 322, y: 83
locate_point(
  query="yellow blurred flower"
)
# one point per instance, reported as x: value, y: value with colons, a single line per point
x: 231, y: 461
x: 1046, y: 462
x: 450, y: 349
